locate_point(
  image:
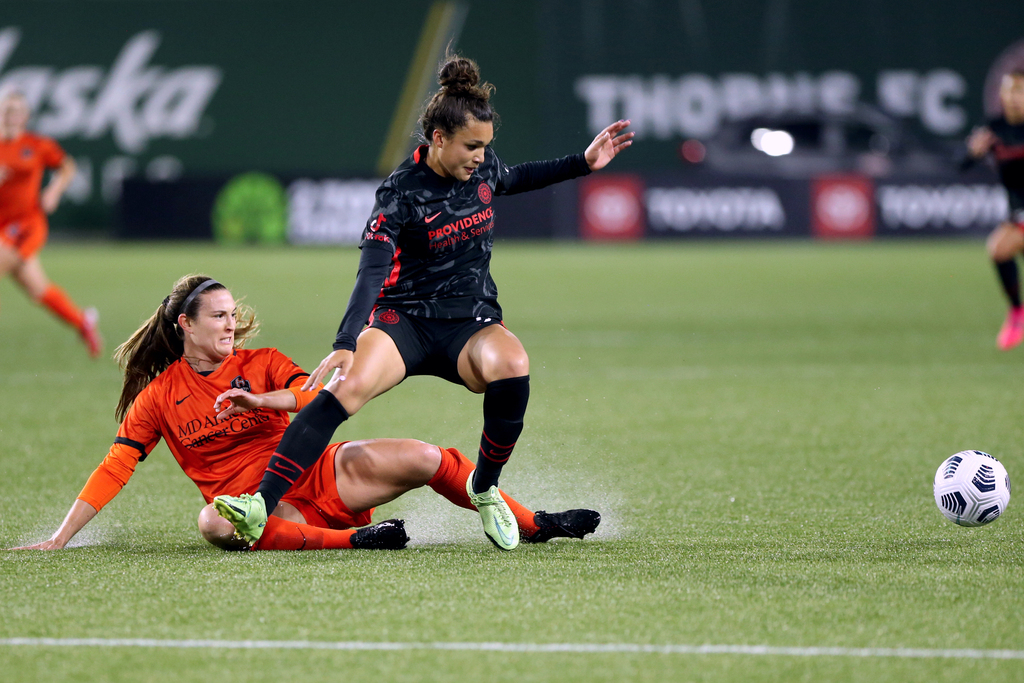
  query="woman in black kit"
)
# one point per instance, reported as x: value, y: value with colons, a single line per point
x: 1003, y: 137
x: 424, y: 285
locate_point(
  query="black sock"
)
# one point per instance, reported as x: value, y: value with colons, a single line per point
x: 504, y: 406
x: 1011, y: 282
x: 302, y: 445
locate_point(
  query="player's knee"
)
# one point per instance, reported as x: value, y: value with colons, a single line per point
x: 511, y: 366
x: 417, y: 463
x: 35, y: 290
x: 9, y: 260
x: 353, y: 393
x: 993, y: 248
x: 216, y: 530
x: 424, y: 459
x: 1005, y: 242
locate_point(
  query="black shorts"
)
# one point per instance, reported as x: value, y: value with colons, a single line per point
x: 1016, y: 201
x: 429, y: 346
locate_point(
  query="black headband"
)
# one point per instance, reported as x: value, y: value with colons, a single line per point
x: 194, y: 293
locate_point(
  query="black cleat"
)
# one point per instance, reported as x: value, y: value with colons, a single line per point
x: 568, y: 524
x: 386, y: 535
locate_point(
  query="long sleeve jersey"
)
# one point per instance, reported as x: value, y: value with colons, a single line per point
x: 427, y: 245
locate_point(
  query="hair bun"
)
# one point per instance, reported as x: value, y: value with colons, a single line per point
x: 458, y: 74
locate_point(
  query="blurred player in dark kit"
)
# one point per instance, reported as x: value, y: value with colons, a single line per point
x: 1003, y: 138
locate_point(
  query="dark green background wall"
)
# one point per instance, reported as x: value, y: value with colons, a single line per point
x: 311, y: 87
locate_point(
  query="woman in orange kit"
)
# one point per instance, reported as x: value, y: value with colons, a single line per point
x: 222, y: 409
x: 24, y: 157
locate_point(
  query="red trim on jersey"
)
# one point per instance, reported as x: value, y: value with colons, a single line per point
x: 1004, y: 152
x: 395, y: 270
x: 418, y: 154
x: 373, y: 312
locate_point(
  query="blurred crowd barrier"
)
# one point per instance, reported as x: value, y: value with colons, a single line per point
x: 260, y: 208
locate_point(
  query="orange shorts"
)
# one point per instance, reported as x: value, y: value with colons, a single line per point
x: 25, y: 235
x: 316, y: 496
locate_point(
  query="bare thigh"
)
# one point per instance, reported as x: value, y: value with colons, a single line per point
x: 374, y: 472
x: 376, y: 367
x: 9, y: 259
x: 1005, y: 242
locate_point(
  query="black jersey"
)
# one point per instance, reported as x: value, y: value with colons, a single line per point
x: 440, y: 232
x: 1008, y: 152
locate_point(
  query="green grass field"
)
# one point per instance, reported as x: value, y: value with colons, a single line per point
x: 759, y: 425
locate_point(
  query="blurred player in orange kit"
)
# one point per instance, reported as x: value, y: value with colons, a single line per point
x: 24, y: 157
x: 222, y: 410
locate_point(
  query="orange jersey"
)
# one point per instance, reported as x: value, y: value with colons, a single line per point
x: 22, y: 162
x: 220, y: 457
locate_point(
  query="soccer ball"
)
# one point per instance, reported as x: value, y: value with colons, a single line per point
x: 971, y: 488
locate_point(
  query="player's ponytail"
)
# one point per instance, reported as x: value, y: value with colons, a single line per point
x: 160, y: 341
x: 461, y: 95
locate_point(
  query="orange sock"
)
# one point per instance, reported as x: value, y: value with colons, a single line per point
x: 450, y: 482
x: 280, y: 534
x: 62, y: 306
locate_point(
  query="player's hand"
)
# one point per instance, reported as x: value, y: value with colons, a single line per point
x: 340, y: 360
x: 238, y: 401
x: 49, y: 544
x: 606, y: 145
x: 980, y: 142
x: 49, y: 199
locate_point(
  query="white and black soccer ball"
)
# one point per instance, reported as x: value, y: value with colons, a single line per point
x: 972, y: 488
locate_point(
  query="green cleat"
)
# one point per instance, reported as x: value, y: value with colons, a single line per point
x: 499, y: 523
x: 248, y: 514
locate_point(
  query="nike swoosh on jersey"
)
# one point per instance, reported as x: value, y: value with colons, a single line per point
x: 430, y: 218
x: 178, y: 403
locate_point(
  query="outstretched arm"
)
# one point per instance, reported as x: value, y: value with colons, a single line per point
x: 607, y: 145
x: 980, y: 142
x: 78, y: 516
x: 50, y: 197
x: 135, y: 439
x: 104, y: 483
x: 235, y: 401
x: 534, y: 175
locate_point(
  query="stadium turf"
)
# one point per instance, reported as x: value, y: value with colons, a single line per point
x: 759, y: 425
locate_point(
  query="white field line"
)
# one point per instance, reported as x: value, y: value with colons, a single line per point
x: 581, y: 648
